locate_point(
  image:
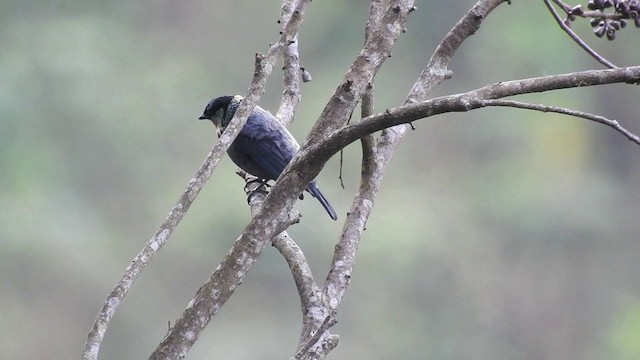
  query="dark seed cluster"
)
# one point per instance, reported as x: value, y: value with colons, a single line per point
x: 615, y: 15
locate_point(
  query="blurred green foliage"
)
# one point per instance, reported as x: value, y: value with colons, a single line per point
x: 498, y: 233
x: 626, y: 333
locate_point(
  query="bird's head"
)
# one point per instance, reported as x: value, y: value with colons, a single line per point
x: 220, y: 110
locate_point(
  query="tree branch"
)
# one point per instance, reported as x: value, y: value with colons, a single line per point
x: 469, y: 101
x: 222, y: 283
x: 326, y: 324
x: 291, y: 70
x: 343, y: 261
x: 560, y: 110
x: 326, y: 138
x: 376, y: 10
x: 437, y: 70
x: 264, y: 67
x: 376, y: 157
x: 577, y: 38
x: 362, y: 71
x: 302, y: 276
x: 344, y: 257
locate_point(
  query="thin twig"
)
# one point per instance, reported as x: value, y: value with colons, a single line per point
x: 587, y: 13
x: 159, y: 239
x: 341, y: 168
x: 564, y: 6
x: 577, y: 38
x: 469, y: 101
x: 308, y: 290
x: 560, y: 110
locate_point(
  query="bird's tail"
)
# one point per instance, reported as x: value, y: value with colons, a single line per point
x: 313, y: 189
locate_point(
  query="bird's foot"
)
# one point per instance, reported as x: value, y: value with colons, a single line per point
x: 263, y: 188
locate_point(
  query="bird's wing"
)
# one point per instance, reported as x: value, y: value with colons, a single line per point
x: 266, y: 154
x: 268, y: 147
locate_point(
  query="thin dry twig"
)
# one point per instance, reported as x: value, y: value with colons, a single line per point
x: 469, y: 101
x: 577, y: 38
x: 560, y: 110
x: 308, y: 290
x: 586, y: 13
x: 159, y: 239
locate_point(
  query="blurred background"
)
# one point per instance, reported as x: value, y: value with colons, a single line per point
x: 498, y: 234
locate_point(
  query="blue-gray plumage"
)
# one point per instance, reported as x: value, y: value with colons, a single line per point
x: 264, y: 146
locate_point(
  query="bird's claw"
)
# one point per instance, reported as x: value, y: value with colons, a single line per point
x: 263, y: 184
x: 263, y: 188
x: 260, y: 190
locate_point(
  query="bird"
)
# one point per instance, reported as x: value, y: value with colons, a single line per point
x: 264, y: 146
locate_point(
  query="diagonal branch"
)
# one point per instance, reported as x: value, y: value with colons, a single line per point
x: 362, y: 71
x: 376, y: 11
x: 308, y: 291
x: 437, y: 70
x: 264, y: 66
x: 222, y: 283
x: 560, y: 110
x: 315, y: 337
x: 343, y: 261
x: 577, y: 38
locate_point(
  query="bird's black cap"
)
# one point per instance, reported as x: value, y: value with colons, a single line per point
x: 214, y: 105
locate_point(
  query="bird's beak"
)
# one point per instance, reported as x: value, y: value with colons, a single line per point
x: 202, y: 117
